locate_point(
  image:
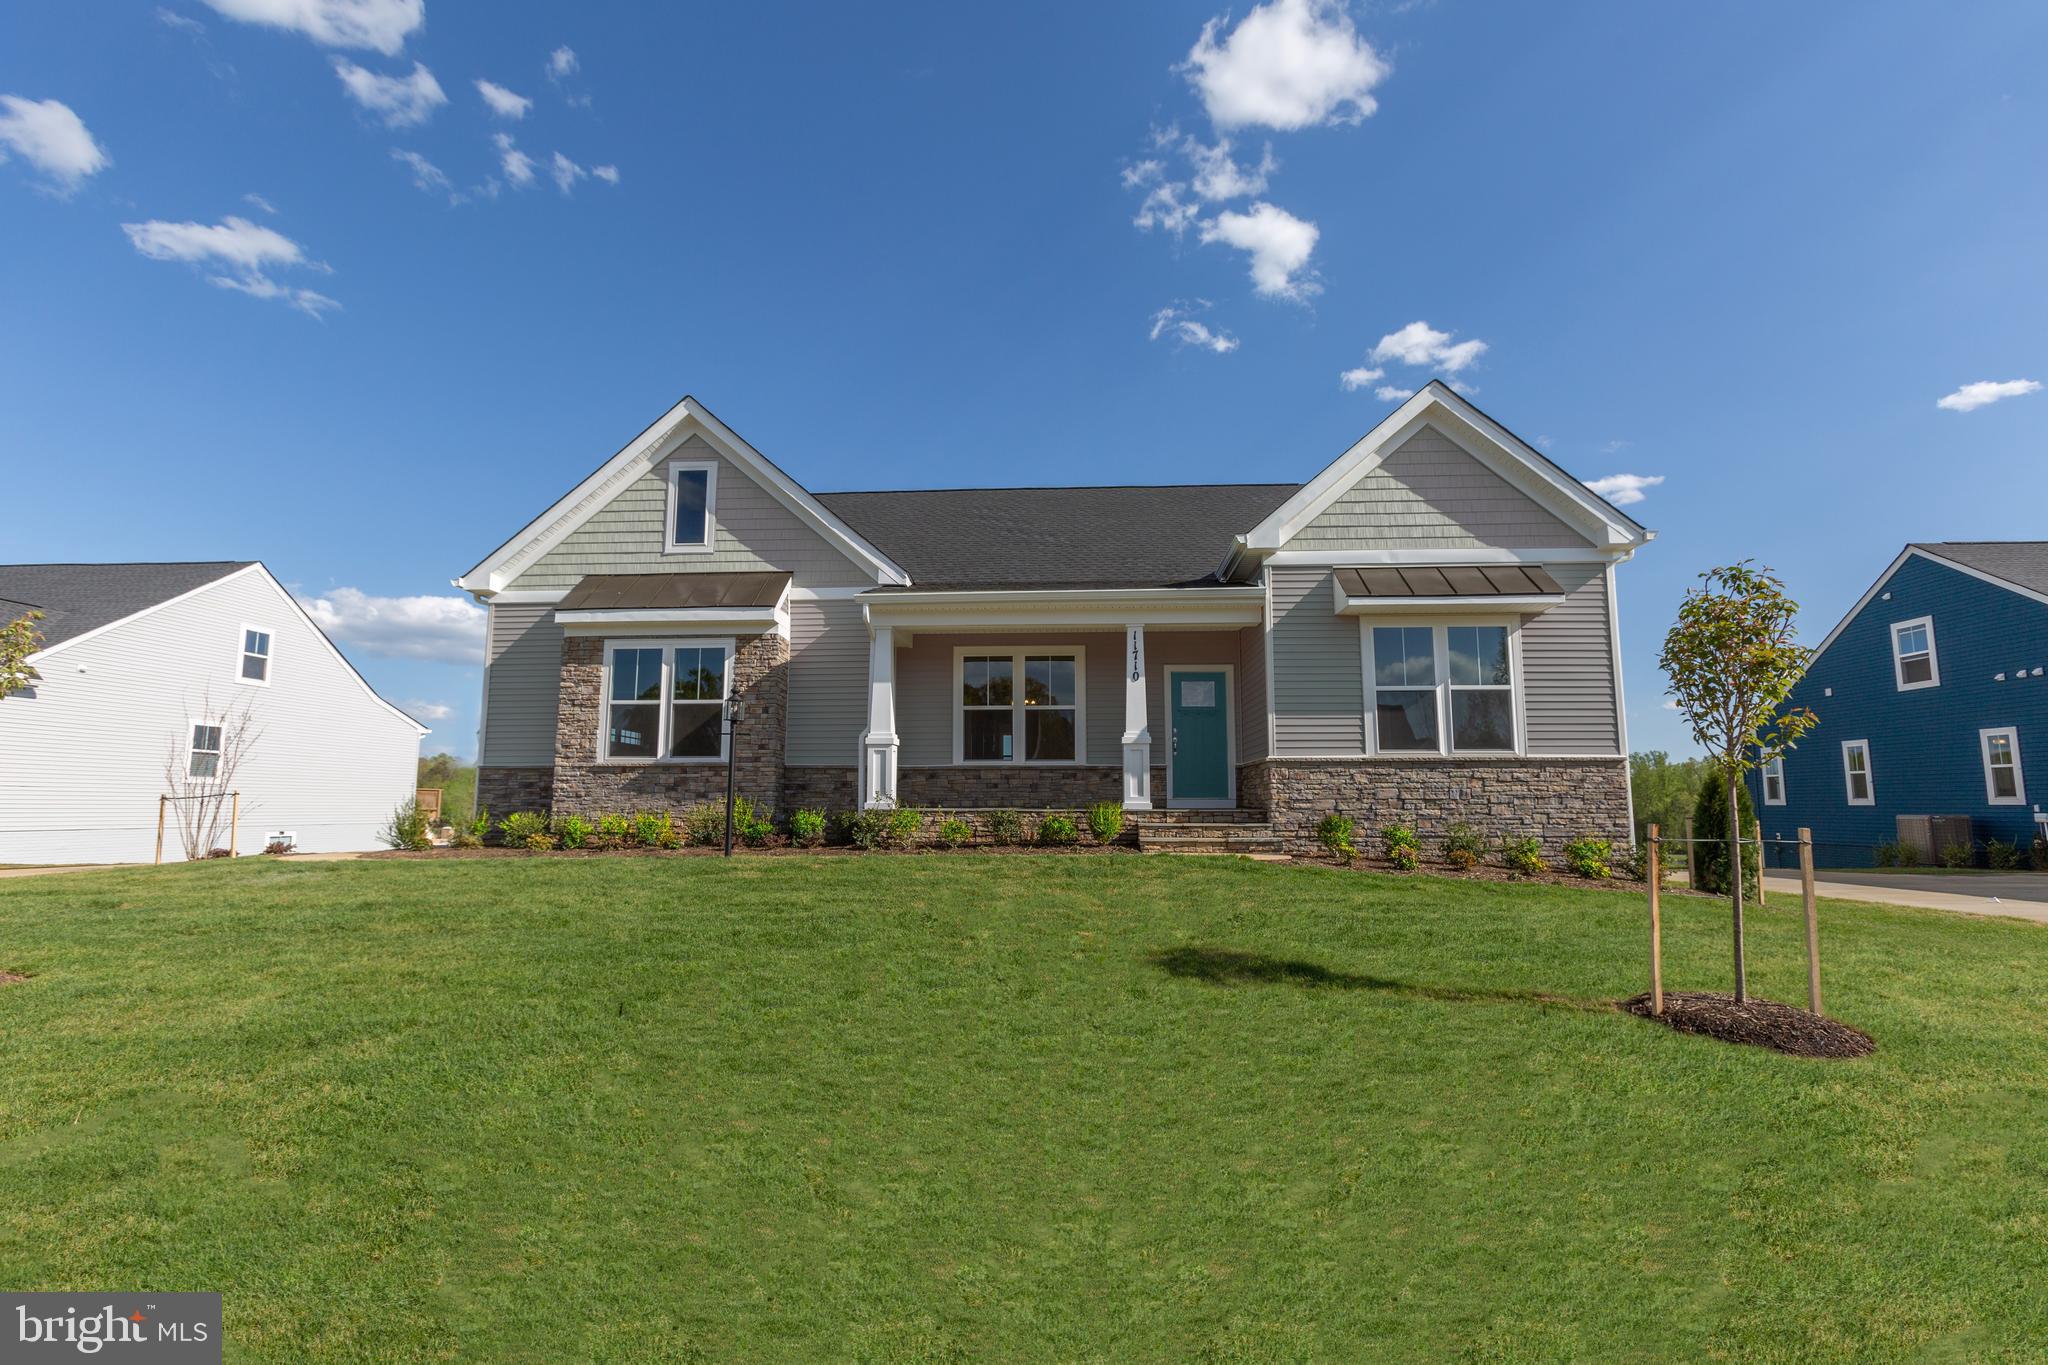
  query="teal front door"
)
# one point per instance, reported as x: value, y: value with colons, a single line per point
x: 1199, y: 768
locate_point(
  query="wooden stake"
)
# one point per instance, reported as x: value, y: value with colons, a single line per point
x: 1759, y: 864
x: 161, y: 803
x: 1656, y: 925
x: 234, y: 823
x: 1812, y: 920
x: 1692, y: 872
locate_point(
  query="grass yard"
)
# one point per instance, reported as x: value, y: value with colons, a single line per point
x: 943, y: 1107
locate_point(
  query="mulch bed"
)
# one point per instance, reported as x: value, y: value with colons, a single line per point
x: 780, y: 850
x: 1484, y: 872
x: 1759, y: 1023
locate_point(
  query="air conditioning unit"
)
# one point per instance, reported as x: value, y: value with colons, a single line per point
x: 1928, y: 835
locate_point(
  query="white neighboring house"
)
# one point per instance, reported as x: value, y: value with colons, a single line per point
x: 137, y: 662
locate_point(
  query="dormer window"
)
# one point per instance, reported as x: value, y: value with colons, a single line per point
x: 1913, y: 660
x: 692, y: 499
x: 255, y: 657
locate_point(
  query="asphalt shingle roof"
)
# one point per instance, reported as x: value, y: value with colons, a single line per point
x: 76, y: 598
x: 2024, y: 562
x: 1129, y: 537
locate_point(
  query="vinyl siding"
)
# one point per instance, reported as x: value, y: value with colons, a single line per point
x: 1251, y: 694
x: 522, y: 686
x: 828, y: 682
x: 1318, y: 671
x: 1568, y: 669
x: 1430, y: 494
x: 925, y: 701
x: 751, y: 531
x: 84, y: 750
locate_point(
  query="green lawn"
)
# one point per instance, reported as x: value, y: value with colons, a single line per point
x: 1074, y: 1108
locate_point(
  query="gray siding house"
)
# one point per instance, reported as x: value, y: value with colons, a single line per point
x: 1424, y: 630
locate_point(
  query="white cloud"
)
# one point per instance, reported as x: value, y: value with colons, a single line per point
x: 247, y: 251
x: 184, y: 23
x: 381, y: 25
x: 1392, y: 393
x: 503, y: 102
x: 1143, y: 173
x: 1420, y: 344
x: 1164, y: 208
x: 427, y: 710
x: 1624, y: 490
x: 425, y: 174
x: 517, y: 165
x: 401, y: 101
x: 1354, y: 380
x: 608, y: 174
x: 442, y: 629
x: 565, y: 172
x: 1178, y: 322
x: 1218, y: 176
x: 47, y: 135
x: 562, y: 62
x: 257, y: 201
x: 1278, y: 242
x: 1288, y: 64
x: 1972, y: 396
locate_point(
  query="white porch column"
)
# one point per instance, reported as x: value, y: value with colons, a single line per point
x: 878, y: 742
x: 1137, y: 733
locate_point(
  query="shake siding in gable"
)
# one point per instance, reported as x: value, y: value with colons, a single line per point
x: 1430, y: 494
x: 1568, y: 669
x: 751, y: 531
x: 1318, y: 671
x: 524, y: 682
x: 828, y: 682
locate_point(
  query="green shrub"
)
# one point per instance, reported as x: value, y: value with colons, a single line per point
x: 1463, y: 846
x: 1896, y: 854
x: 807, y: 828
x: 1106, y: 821
x: 1005, y: 827
x: 754, y: 824
x: 2000, y: 855
x: 953, y: 832
x: 867, y: 829
x: 1710, y: 835
x: 573, y: 830
x: 406, y: 829
x: 471, y: 834
x: 1334, y: 832
x: 613, y: 831
x: 1522, y: 855
x: 1962, y: 853
x: 1589, y: 856
x: 1058, y: 831
x: 1403, y: 849
x: 704, y: 825
x: 2037, y: 855
x: 903, y: 825
x: 1633, y: 862
x: 655, y: 829
x: 521, y: 828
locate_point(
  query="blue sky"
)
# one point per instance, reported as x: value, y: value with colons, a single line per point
x: 1743, y: 249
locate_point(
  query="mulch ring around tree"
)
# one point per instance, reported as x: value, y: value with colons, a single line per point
x: 1759, y: 1023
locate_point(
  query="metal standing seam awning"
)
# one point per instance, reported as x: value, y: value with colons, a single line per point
x: 737, y: 601
x: 1371, y: 589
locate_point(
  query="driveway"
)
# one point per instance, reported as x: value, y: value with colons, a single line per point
x: 2016, y: 895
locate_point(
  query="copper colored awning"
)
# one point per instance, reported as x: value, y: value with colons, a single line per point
x: 1449, y: 580
x: 674, y: 591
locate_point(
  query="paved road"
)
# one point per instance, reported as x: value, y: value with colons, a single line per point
x: 2017, y: 895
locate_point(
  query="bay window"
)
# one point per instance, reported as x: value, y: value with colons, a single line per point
x: 1442, y: 689
x: 664, y: 701
x: 1018, y: 706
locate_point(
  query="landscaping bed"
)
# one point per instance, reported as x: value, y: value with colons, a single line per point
x: 1757, y: 1023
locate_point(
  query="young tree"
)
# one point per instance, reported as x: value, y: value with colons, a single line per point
x: 201, y: 778
x: 1731, y: 663
x: 19, y: 638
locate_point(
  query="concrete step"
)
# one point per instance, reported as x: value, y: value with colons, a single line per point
x: 1198, y: 817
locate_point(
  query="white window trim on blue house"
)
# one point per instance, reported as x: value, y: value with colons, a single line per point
x: 1899, y: 658
x: 1869, y: 797
x: 1774, y: 774
x: 2011, y: 735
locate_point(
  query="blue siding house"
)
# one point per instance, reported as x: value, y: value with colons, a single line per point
x: 1932, y: 695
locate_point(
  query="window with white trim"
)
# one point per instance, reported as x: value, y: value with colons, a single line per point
x: 2004, y: 783
x: 255, y: 668
x: 1443, y: 689
x: 1913, y: 662
x: 1018, y: 707
x: 1856, y: 780
x: 692, y: 506
x: 1774, y: 782
x: 206, y: 750
x: 664, y: 701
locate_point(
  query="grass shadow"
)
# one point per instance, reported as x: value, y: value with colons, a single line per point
x: 1231, y: 967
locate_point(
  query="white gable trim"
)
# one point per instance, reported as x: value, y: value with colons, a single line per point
x: 641, y: 454
x: 1499, y: 449
x: 1916, y: 552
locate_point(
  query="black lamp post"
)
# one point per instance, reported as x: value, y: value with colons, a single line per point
x: 733, y: 710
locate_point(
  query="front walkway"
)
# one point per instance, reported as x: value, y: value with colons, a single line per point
x: 2016, y: 895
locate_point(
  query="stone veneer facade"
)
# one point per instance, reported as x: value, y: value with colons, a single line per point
x: 1554, y: 800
